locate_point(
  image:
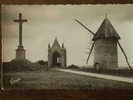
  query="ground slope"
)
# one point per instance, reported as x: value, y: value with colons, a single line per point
x: 53, y: 79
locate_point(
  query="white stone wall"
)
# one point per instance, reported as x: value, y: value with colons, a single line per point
x: 105, y: 53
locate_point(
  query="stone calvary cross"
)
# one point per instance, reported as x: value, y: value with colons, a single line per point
x: 20, y: 21
x: 20, y: 51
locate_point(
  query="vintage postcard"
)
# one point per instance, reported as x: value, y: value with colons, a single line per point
x: 69, y: 47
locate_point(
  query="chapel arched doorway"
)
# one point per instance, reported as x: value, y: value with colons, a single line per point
x: 56, y: 59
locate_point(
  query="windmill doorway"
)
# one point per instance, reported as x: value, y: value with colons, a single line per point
x: 56, y: 59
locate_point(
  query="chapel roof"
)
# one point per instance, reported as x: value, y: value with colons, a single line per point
x: 56, y: 44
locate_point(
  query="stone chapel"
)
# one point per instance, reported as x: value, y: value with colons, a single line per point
x: 56, y: 55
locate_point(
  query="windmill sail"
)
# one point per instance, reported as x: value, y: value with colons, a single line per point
x: 125, y: 56
x: 91, y: 43
x: 85, y: 27
x: 90, y: 52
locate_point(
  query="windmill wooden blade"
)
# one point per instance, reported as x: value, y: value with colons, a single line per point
x: 84, y: 27
x: 90, y: 52
x: 125, y: 56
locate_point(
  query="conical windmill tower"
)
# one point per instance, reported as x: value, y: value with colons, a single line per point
x: 105, y: 42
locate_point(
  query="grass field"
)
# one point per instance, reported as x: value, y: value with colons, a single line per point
x: 53, y: 79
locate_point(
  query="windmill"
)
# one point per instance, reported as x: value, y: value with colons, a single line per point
x: 105, y: 42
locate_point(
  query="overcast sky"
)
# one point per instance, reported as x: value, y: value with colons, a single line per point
x: 45, y: 22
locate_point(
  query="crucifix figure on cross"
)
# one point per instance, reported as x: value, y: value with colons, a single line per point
x: 20, y: 21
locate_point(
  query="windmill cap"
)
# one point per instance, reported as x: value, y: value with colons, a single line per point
x: 106, y: 31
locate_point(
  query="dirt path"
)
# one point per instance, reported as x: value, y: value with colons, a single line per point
x: 103, y: 76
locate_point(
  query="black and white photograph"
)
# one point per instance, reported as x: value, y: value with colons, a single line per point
x: 69, y: 47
